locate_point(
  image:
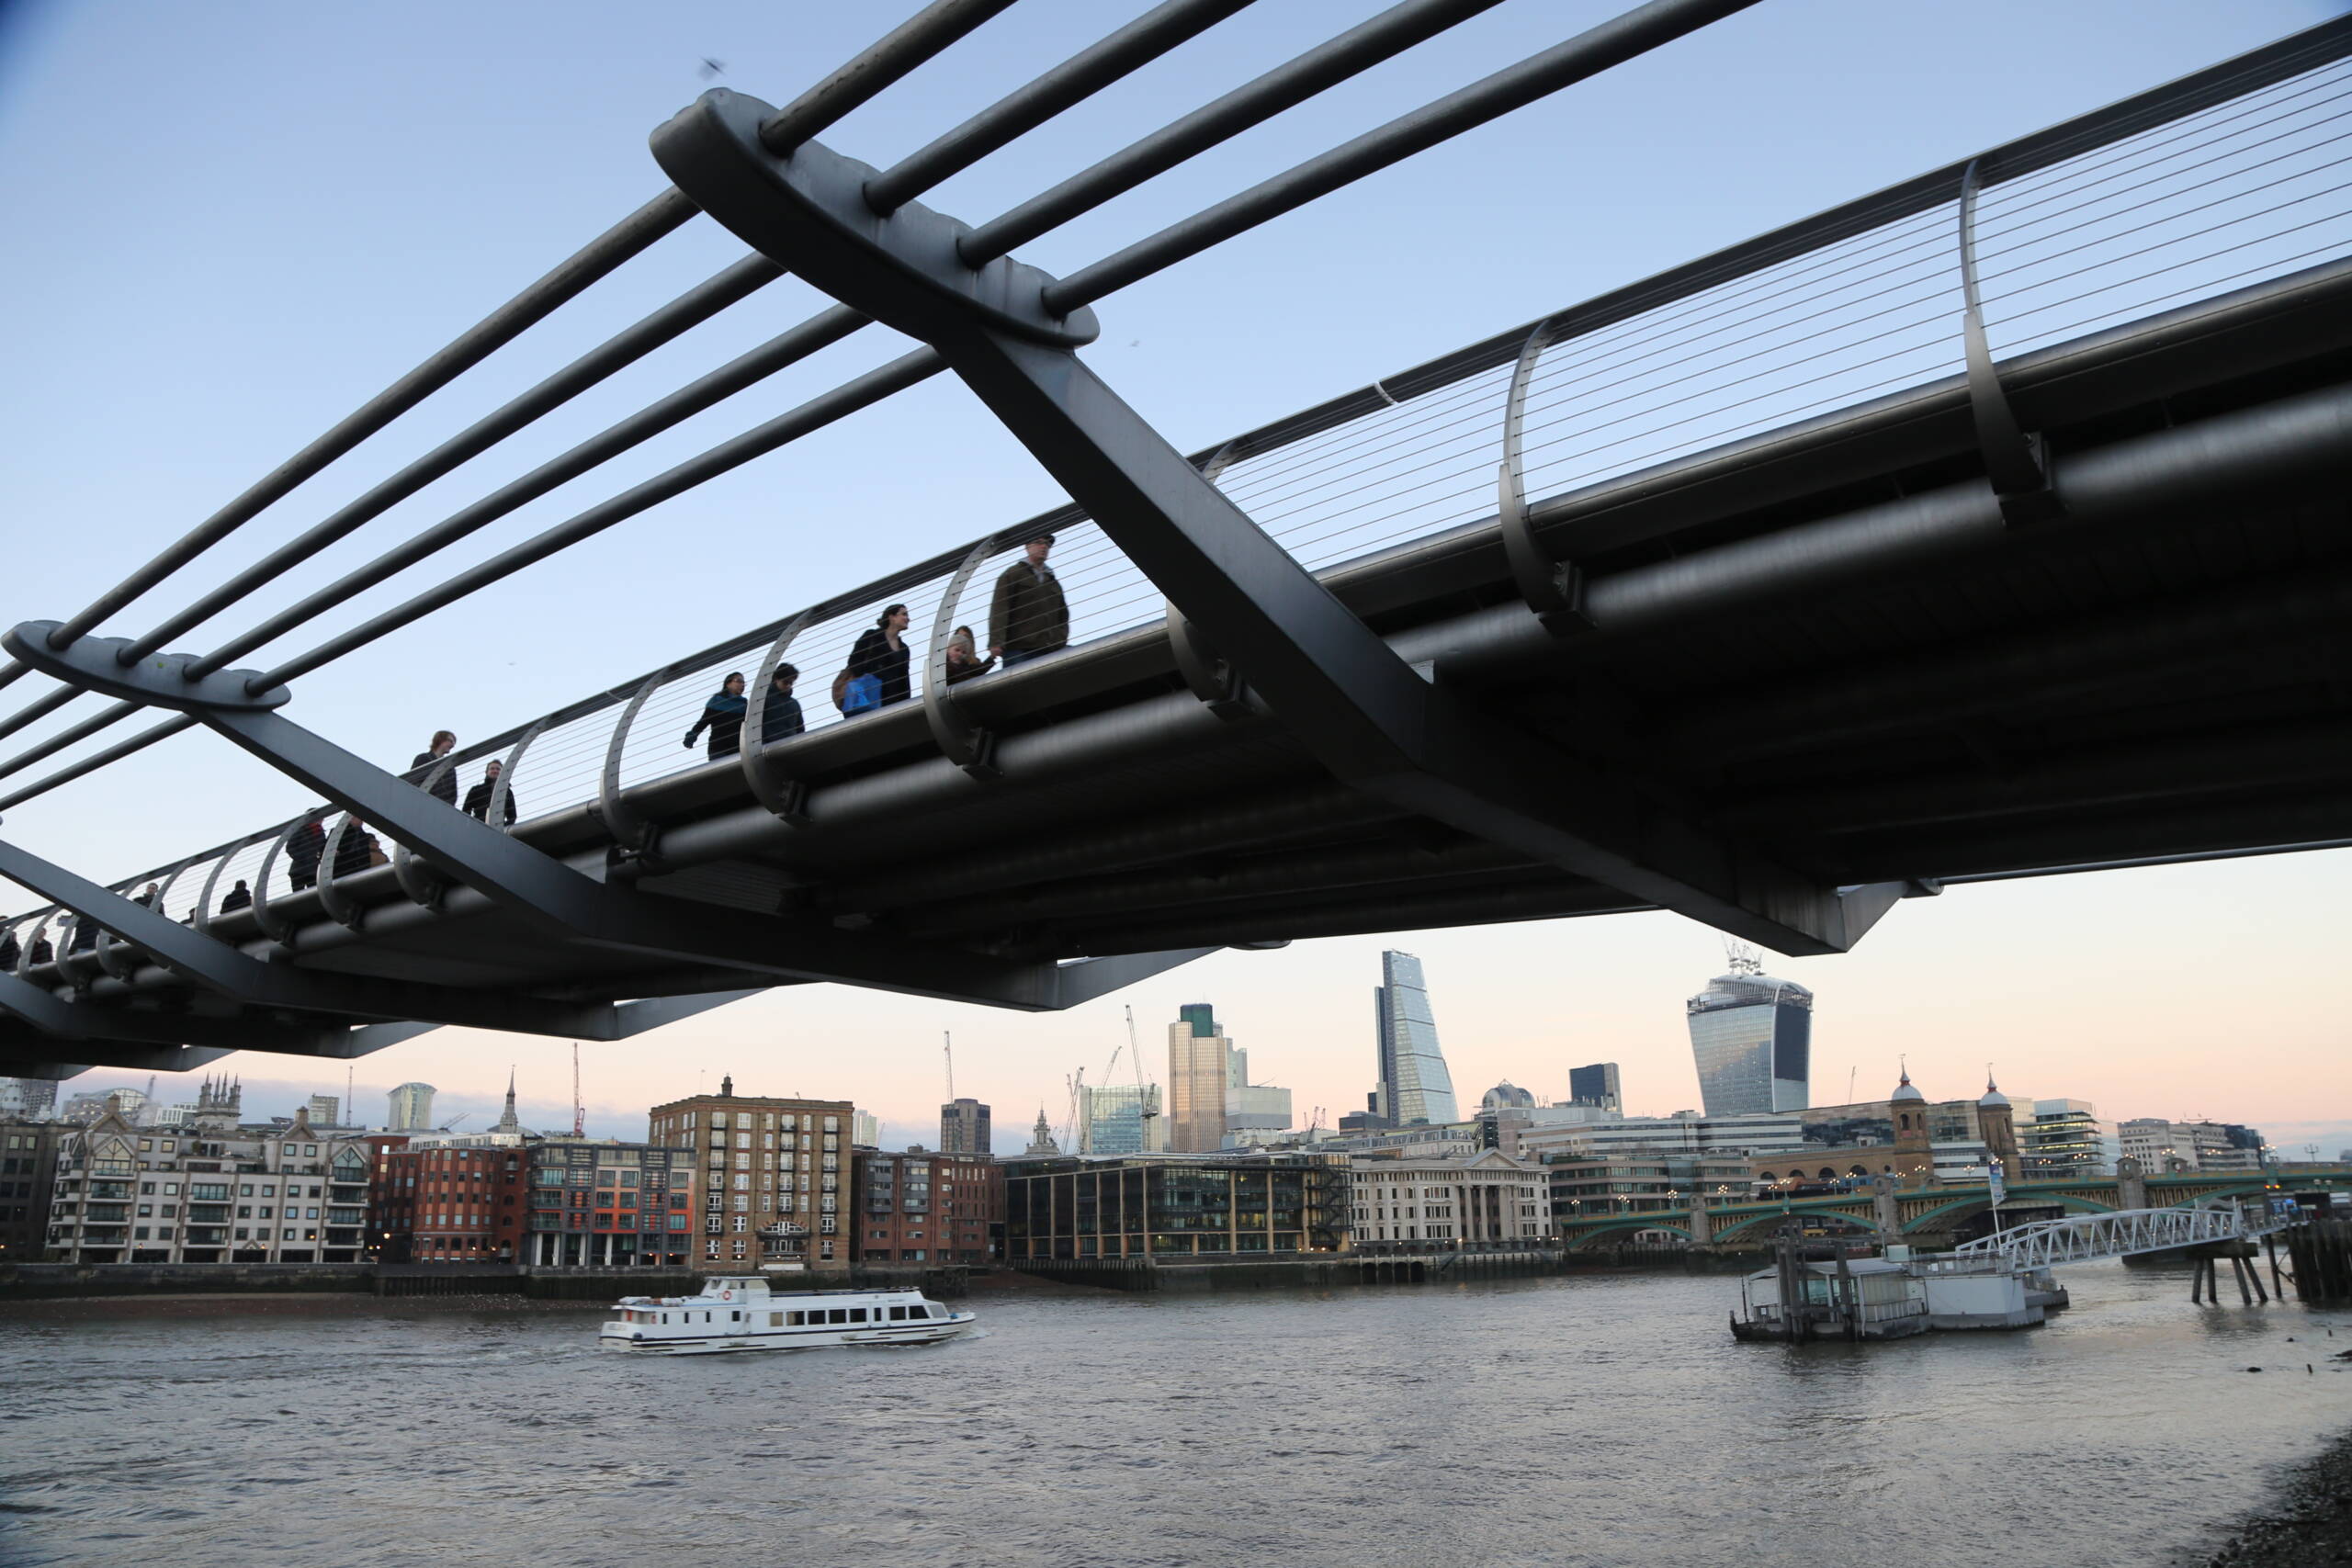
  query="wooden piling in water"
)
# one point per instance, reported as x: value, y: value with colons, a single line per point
x: 2321, y: 1250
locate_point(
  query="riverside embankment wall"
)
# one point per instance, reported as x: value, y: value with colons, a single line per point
x: 1328, y: 1271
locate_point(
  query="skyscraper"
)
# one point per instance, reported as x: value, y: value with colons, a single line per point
x: 1752, y: 1037
x: 964, y: 1127
x: 1196, y: 1079
x: 1596, y: 1085
x: 411, y: 1108
x: 1414, y: 1083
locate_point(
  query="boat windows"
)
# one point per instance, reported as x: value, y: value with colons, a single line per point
x: 837, y: 1314
x: 935, y: 1309
x: 858, y: 1315
x: 898, y: 1314
x: 775, y: 1320
x: 795, y: 1319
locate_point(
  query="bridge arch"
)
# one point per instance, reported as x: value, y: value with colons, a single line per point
x: 1750, y: 1223
x: 1977, y: 1202
x: 1623, y: 1227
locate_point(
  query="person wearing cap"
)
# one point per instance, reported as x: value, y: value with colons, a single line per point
x: 1029, y: 618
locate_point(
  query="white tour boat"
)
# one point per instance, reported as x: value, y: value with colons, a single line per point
x: 740, y: 1313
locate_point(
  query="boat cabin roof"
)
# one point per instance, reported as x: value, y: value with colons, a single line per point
x: 1828, y: 1267
x: 753, y: 1287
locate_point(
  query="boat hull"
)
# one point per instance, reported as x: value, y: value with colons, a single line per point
x: 931, y: 1331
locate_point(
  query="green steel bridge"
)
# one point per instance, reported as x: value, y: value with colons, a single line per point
x: 1930, y: 1214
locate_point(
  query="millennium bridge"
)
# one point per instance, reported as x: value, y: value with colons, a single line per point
x: 1991, y: 524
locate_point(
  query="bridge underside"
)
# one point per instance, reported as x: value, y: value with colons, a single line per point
x: 1824, y: 646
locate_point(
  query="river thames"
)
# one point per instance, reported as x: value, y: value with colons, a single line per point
x: 1601, y: 1420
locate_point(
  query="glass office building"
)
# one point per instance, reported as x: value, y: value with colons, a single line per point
x: 1414, y: 1083
x: 1119, y: 1120
x: 1753, y: 1038
x: 1176, y: 1205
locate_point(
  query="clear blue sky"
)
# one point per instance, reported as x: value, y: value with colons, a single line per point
x: 230, y: 224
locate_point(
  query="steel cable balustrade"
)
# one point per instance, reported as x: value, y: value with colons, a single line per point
x: 79, y: 734
x: 135, y: 880
x: 831, y: 812
x: 1113, y: 57
x: 1273, y: 521
x: 1653, y: 17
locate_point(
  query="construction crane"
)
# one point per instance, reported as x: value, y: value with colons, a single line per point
x: 579, y: 1111
x: 1071, y: 1127
x: 1146, y: 1113
x: 948, y: 1048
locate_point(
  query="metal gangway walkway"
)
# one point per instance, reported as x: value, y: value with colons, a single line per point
x: 2086, y: 1238
x: 1989, y: 524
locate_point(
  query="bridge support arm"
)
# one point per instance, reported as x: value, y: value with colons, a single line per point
x: 1366, y: 714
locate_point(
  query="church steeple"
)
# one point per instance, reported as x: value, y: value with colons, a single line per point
x: 1041, y: 1139
x: 508, y: 1122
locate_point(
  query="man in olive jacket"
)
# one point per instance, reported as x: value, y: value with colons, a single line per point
x: 1029, y: 618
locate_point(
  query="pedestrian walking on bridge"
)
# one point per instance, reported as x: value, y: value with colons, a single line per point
x: 1028, y: 618
x: 723, y: 716
x: 445, y: 788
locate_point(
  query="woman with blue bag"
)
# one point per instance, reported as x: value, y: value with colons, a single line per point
x: 723, y: 716
x: 876, y: 673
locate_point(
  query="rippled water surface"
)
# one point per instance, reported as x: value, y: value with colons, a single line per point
x: 1607, y: 1421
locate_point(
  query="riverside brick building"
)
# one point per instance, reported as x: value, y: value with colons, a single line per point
x: 447, y: 1204
x: 917, y: 1206
x: 771, y: 1174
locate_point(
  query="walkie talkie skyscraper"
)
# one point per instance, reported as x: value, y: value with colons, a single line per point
x: 1752, y: 1037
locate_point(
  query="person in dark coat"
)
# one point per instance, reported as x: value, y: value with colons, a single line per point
x: 478, y: 798
x: 1028, y: 618
x: 303, y: 848
x: 9, y: 951
x: 881, y: 651
x: 238, y: 898
x: 781, y: 720
x: 42, y: 952
x: 85, y: 937
x: 445, y: 788
x: 357, y: 852
x: 723, y: 716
